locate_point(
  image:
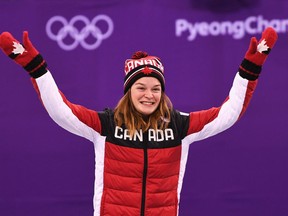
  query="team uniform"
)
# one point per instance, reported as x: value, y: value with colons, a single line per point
x: 143, y: 174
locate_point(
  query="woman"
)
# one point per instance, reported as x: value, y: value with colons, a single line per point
x: 141, y: 146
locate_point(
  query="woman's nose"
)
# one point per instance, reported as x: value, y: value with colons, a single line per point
x: 148, y: 94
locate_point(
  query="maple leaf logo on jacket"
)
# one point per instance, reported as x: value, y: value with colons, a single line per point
x: 18, y: 48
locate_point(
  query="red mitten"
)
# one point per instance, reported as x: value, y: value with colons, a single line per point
x: 25, y: 55
x: 257, y: 54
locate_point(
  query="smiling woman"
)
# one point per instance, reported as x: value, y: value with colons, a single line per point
x: 145, y: 95
x: 142, y: 145
x: 145, y: 100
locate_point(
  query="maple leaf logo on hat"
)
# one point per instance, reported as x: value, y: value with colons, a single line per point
x: 147, y: 70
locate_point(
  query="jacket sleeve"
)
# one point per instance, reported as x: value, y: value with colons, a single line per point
x: 74, y: 118
x: 207, y: 123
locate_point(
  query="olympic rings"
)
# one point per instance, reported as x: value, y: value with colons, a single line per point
x: 69, y: 29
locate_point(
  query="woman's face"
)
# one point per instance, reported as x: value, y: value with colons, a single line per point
x: 146, y: 94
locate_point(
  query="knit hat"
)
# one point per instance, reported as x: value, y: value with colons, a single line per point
x: 143, y: 65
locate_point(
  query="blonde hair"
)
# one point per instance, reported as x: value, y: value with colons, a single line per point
x: 126, y: 114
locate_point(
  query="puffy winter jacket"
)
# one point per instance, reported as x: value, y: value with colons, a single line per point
x: 141, y: 175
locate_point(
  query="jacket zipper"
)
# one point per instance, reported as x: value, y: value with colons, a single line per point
x: 144, y: 180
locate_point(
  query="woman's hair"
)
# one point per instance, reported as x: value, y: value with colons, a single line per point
x: 126, y: 114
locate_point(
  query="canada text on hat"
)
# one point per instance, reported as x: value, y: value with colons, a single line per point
x: 142, y: 65
x: 131, y: 64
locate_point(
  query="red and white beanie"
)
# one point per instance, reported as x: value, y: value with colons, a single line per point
x: 143, y: 65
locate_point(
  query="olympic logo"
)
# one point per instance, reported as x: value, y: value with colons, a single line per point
x: 69, y: 30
